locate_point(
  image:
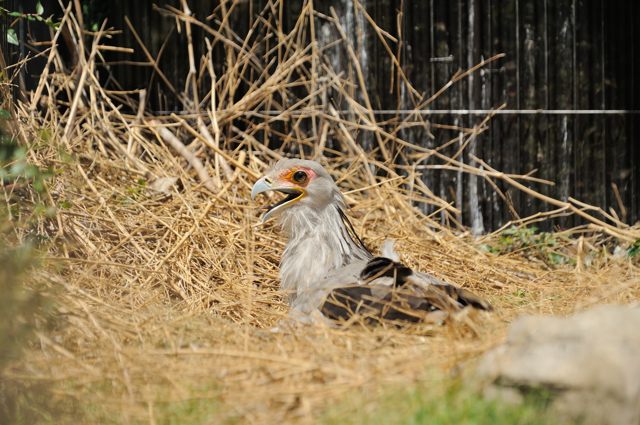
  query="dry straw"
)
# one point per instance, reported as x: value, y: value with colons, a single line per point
x: 166, y: 290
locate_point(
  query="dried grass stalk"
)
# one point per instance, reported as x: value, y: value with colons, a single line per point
x: 169, y: 297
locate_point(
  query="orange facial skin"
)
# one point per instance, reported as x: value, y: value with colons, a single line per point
x: 287, y: 176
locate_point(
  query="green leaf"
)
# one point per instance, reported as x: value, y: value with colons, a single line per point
x: 485, y: 247
x: 12, y: 38
x: 39, y: 8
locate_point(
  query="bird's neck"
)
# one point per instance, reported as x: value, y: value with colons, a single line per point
x: 319, y: 242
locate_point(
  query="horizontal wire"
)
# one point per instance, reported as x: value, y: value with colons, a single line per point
x: 509, y: 112
x: 441, y: 112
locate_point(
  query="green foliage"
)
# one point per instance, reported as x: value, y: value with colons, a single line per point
x: 37, y: 16
x: 22, y: 309
x: 17, y: 304
x: 37, y: 404
x: 94, y: 13
x: 12, y: 38
x: 520, y: 297
x: 28, y: 403
x: 135, y: 192
x: 14, y: 168
x: 195, y: 411
x: 440, y: 403
x: 634, y: 249
x: 532, y: 243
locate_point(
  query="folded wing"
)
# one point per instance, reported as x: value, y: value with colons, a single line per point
x: 386, y: 290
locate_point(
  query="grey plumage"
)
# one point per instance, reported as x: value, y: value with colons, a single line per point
x: 326, y: 270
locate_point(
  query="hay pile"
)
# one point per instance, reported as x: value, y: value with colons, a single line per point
x: 164, y: 287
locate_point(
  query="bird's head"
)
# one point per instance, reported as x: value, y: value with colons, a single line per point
x: 304, y: 183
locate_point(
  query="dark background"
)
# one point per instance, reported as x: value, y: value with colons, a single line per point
x: 561, y: 55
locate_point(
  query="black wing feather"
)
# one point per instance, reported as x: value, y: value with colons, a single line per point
x: 404, y: 302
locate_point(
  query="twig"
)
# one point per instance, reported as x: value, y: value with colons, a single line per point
x: 168, y: 137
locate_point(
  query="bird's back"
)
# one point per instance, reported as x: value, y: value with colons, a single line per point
x: 382, y: 289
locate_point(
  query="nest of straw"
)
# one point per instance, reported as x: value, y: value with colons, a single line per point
x: 164, y: 287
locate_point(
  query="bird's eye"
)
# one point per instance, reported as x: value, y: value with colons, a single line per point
x: 299, y: 177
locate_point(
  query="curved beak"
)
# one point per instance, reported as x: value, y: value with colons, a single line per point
x: 261, y: 186
x: 265, y: 184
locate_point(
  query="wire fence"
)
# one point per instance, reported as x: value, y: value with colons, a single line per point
x: 569, y: 83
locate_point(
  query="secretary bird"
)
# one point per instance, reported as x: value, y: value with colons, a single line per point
x: 326, y: 270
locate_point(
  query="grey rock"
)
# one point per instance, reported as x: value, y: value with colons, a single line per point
x: 586, y: 365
